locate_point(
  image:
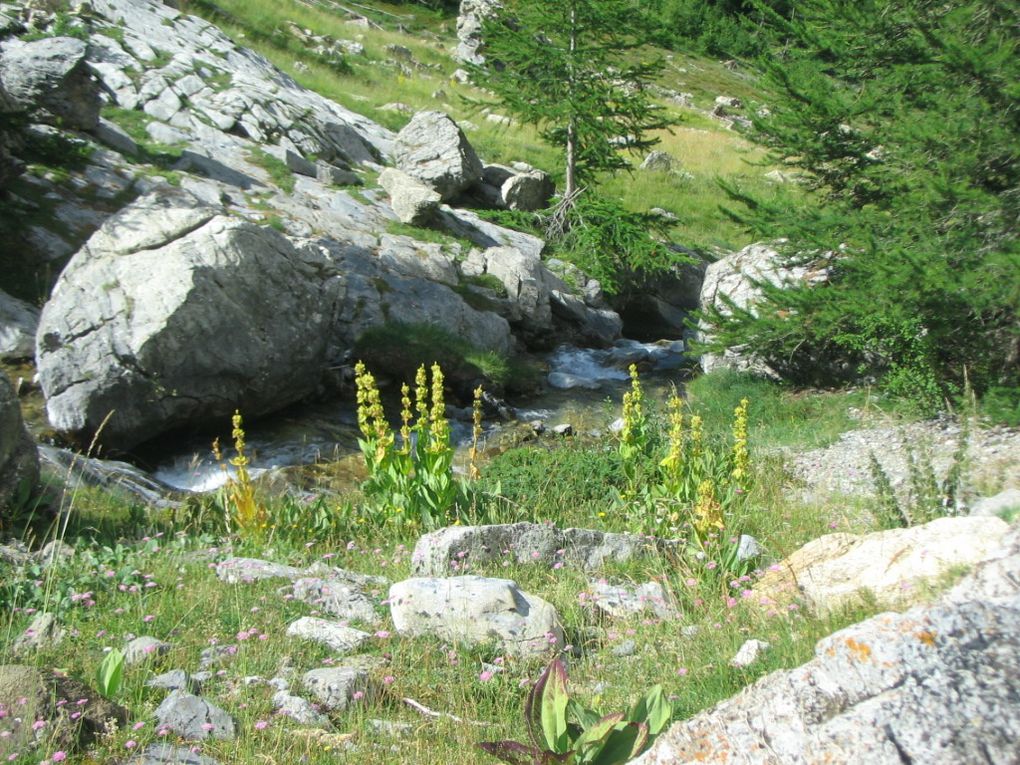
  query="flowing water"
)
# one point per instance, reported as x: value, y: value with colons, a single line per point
x: 584, y: 389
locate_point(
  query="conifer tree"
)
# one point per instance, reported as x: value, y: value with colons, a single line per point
x: 901, y: 118
x: 571, y: 68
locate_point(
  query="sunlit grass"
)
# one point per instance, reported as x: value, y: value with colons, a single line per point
x: 704, y: 148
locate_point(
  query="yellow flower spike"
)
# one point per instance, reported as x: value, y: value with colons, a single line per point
x: 439, y: 430
x: 741, y: 455
x: 421, y: 396
x: 696, y: 437
x: 707, y: 511
x: 476, y: 433
x: 405, y: 419
x: 674, y: 458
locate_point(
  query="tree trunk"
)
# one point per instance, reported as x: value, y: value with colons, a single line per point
x: 571, y: 174
x: 568, y: 193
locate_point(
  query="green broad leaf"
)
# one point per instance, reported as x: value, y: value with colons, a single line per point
x: 546, y: 709
x: 654, y: 709
x: 110, y: 673
x: 624, y: 743
x: 590, y: 743
x: 584, y: 716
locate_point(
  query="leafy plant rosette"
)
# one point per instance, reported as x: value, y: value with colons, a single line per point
x: 561, y: 730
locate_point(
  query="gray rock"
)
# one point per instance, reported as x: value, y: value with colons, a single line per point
x: 998, y: 504
x: 936, y: 684
x: 413, y: 202
x: 339, y: 637
x: 294, y: 161
x: 72, y: 470
x: 334, y: 687
x: 621, y: 602
x: 167, y: 754
x: 194, y: 718
x: 336, y: 176
x: 144, y: 648
x: 55, y: 553
x: 215, y: 655
x: 49, y: 79
x: 165, y: 134
x: 536, y: 543
x: 564, y: 429
x: 659, y: 162
x: 476, y: 610
x: 168, y: 275
x: 300, y: 710
x: 597, y: 325
x: 527, y: 191
x: 734, y: 278
x: 18, y: 324
x: 175, y: 680
x: 391, y: 728
x: 523, y: 278
x: 469, y: 29
x: 19, y: 460
x: 115, y: 137
x: 468, y: 225
x: 434, y: 150
x: 337, y: 598
x: 247, y: 570
x: 749, y: 548
x: 890, y: 568
x: 43, y: 632
x: 164, y: 106
x: 750, y: 652
x: 624, y: 649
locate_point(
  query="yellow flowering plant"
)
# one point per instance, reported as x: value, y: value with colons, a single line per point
x: 410, y: 483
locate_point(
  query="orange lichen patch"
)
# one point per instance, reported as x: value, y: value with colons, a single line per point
x: 862, y: 651
x: 927, y: 637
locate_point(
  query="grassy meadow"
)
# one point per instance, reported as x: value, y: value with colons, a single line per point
x: 138, y: 571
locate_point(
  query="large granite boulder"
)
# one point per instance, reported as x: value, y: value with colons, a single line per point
x: 434, y: 150
x: 19, y: 461
x: 890, y: 566
x: 173, y: 313
x: 936, y: 684
x: 734, y: 278
x: 50, y: 81
x: 476, y: 610
x: 18, y: 323
x: 443, y: 552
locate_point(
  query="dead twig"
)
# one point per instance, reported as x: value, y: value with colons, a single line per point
x: 421, y: 708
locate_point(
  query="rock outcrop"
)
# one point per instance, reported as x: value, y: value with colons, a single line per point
x: 227, y: 264
x: 938, y: 683
x: 50, y: 81
x: 19, y: 461
x: 833, y: 571
x: 434, y: 150
x: 174, y: 312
